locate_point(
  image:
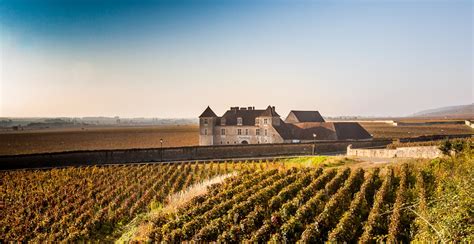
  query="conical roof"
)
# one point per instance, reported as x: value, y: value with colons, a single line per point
x: 208, y: 113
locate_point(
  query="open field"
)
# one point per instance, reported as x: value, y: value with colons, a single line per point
x: 94, y: 138
x: 383, y: 130
x: 72, y: 139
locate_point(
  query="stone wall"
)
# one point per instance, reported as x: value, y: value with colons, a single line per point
x: 401, y: 152
x: 99, y: 157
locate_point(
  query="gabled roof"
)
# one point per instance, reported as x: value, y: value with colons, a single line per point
x: 270, y: 112
x: 351, y: 130
x: 208, y: 113
x: 323, y: 131
x: 305, y: 131
x: 296, y: 116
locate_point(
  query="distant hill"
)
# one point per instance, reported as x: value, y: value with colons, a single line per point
x: 452, y: 111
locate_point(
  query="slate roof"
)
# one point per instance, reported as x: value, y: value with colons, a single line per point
x: 270, y: 112
x: 351, y: 131
x: 208, y: 113
x: 323, y: 130
x: 248, y: 116
x: 307, y: 116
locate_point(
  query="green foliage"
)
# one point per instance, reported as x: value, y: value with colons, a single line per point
x: 418, y: 201
x: 456, y: 147
x: 398, y: 229
x: 334, y: 209
x: 446, y: 147
x: 350, y: 225
x: 376, y: 224
x: 450, y: 209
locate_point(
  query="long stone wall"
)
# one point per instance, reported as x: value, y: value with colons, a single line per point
x: 401, y: 152
x: 99, y: 157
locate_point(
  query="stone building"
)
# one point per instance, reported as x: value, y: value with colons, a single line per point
x: 247, y: 125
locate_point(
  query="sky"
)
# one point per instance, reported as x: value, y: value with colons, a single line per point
x: 171, y: 59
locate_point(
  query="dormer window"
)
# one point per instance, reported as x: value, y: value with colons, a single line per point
x: 239, y: 121
x: 222, y: 121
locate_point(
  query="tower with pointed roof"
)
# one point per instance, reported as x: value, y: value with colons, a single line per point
x: 207, y: 123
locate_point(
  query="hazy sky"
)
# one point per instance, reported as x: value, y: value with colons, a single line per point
x: 173, y: 58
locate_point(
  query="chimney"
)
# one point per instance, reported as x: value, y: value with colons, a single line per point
x: 250, y: 108
x: 243, y: 108
x: 273, y: 108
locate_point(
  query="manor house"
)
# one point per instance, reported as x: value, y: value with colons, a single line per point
x: 247, y: 125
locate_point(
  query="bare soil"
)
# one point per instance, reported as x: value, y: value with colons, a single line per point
x: 72, y: 139
x: 384, y: 130
x: 95, y: 138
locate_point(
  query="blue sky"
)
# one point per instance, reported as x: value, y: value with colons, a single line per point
x: 173, y: 58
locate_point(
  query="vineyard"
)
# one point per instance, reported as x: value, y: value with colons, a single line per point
x: 310, y: 205
x: 88, y: 203
x: 253, y: 201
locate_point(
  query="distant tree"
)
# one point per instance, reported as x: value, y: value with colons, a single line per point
x: 458, y: 146
x: 446, y: 147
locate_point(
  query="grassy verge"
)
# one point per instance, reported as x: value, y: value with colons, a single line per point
x: 141, y: 225
x: 317, y: 161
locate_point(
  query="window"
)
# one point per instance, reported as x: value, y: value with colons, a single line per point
x: 239, y: 131
x: 247, y: 132
x: 266, y: 132
x: 257, y: 132
x: 265, y: 121
x: 222, y: 121
x: 239, y: 121
x: 205, y: 131
x: 256, y: 121
x: 205, y: 121
x: 222, y: 131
